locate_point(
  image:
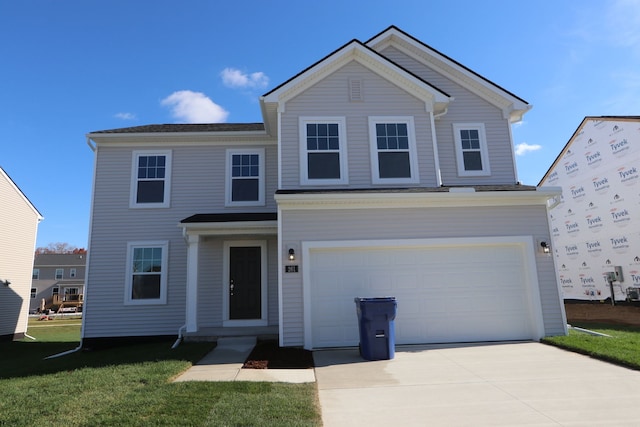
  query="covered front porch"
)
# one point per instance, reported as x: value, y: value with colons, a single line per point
x: 232, y: 280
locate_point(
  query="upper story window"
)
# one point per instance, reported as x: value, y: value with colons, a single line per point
x: 59, y: 273
x: 245, y: 177
x: 146, y: 281
x: 393, y: 150
x: 36, y: 274
x: 471, y: 149
x: 323, y: 154
x: 150, y: 183
x: 72, y: 273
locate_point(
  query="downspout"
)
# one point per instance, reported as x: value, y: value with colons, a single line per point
x: 179, y: 340
x: 86, y: 274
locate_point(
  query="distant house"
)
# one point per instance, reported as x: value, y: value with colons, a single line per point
x: 18, y: 228
x: 596, y: 228
x: 384, y: 169
x: 58, y: 281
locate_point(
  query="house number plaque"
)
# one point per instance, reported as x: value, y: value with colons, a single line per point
x: 290, y: 268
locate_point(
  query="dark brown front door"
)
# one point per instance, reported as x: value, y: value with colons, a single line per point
x: 245, y: 300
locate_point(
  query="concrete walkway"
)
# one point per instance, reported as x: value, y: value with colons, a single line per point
x: 225, y: 362
x: 499, y: 384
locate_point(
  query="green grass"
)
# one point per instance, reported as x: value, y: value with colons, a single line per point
x: 623, y: 347
x: 131, y: 386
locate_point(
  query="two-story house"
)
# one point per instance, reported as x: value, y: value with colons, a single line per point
x: 58, y: 282
x: 19, y: 221
x: 384, y: 169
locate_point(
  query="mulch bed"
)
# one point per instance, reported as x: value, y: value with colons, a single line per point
x: 268, y: 355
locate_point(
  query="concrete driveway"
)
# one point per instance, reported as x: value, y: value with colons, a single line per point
x: 497, y: 384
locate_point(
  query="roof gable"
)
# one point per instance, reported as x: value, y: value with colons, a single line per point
x: 435, y: 99
x: 513, y: 107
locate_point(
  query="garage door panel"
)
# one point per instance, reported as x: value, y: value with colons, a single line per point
x: 444, y: 294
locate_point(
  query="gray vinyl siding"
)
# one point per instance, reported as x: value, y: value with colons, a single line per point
x: 18, y: 227
x: 467, y: 107
x: 197, y: 186
x: 415, y: 223
x: 330, y: 97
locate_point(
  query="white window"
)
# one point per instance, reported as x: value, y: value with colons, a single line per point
x: 72, y: 273
x: 150, y: 179
x: 471, y: 149
x: 34, y: 292
x: 59, y: 273
x: 245, y: 177
x: 36, y: 274
x: 323, y: 154
x: 393, y: 150
x: 146, y: 281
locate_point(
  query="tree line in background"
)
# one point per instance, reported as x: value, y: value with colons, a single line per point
x: 60, y: 248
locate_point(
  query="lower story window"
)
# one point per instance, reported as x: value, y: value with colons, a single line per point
x: 147, y: 273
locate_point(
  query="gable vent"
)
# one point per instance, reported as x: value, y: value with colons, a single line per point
x: 355, y: 90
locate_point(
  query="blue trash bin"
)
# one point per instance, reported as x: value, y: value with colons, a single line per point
x: 376, y: 324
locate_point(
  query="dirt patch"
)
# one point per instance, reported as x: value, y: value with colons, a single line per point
x: 269, y: 355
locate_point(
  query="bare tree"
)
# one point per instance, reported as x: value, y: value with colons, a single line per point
x: 59, y: 248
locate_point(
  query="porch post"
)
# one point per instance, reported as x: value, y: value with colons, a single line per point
x: 193, y: 242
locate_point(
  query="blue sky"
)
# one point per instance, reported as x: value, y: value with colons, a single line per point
x: 72, y: 67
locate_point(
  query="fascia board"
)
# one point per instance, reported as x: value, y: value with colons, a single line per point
x: 182, y: 138
x: 513, y: 106
x: 356, y: 51
x: 228, y: 228
x: 416, y: 200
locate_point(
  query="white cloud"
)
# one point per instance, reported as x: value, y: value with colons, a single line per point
x: 194, y: 107
x: 523, y: 148
x: 234, y: 78
x: 125, y: 116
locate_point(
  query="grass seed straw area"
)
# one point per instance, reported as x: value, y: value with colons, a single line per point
x: 132, y: 386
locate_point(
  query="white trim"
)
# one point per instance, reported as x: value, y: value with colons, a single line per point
x: 164, y: 273
x: 263, y: 320
x: 191, y: 315
x: 342, y: 149
x: 134, y: 179
x: 280, y: 274
x: 414, y: 177
x: 228, y: 228
x: 484, y: 153
x: 229, y: 179
x: 371, y: 200
x: 525, y: 243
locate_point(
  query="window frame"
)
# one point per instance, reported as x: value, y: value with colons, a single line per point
x: 483, y: 150
x: 342, y: 150
x: 61, y: 270
x: 35, y: 274
x: 136, y: 154
x: 128, y: 288
x: 229, y: 178
x: 33, y: 293
x: 414, y: 177
x: 73, y: 273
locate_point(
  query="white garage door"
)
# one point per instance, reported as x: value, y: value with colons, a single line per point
x: 444, y: 294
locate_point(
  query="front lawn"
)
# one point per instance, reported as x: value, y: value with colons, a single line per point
x: 132, y: 386
x: 622, y: 347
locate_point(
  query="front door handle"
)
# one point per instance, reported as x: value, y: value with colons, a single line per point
x: 231, y: 286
